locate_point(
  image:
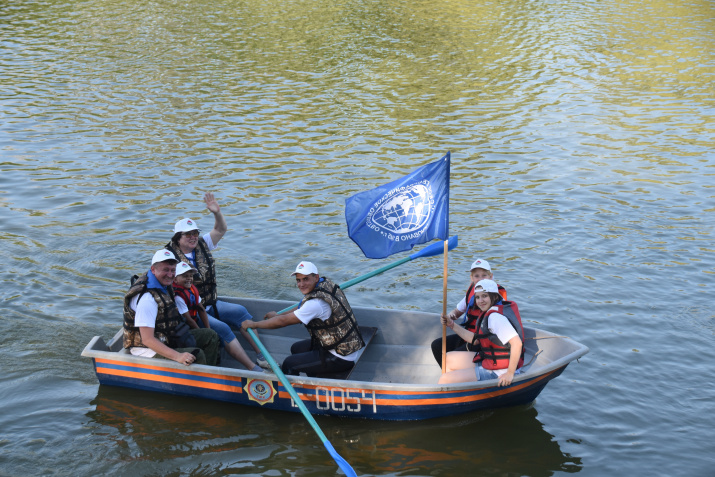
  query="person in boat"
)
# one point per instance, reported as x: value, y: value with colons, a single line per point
x: 480, y: 270
x: 494, y: 327
x: 335, y: 342
x: 190, y: 247
x: 153, y: 326
x: 188, y: 301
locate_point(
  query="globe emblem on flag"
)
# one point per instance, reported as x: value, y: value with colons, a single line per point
x: 405, y: 210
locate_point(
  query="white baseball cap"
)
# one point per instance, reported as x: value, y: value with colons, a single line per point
x: 486, y: 286
x: 305, y: 268
x: 185, y: 225
x: 183, y: 267
x: 479, y: 263
x: 163, y: 255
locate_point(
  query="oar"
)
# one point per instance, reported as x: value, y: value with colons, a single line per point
x: 429, y: 251
x: 342, y: 463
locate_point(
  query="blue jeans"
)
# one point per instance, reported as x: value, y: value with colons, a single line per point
x: 222, y: 329
x: 230, y: 313
x: 313, y: 362
x: 483, y: 374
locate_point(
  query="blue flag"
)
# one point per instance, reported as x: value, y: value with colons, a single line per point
x: 397, y: 216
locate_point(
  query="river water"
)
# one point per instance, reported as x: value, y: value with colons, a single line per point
x: 582, y: 137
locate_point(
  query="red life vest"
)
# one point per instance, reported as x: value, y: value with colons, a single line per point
x: 190, y: 297
x: 491, y: 352
x: 469, y: 300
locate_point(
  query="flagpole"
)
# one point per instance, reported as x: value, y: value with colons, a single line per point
x: 444, y: 311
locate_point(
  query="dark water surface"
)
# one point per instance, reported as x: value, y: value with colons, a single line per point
x: 582, y: 138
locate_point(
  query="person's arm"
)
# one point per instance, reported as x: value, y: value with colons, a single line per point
x: 190, y: 321
x: 466, y: 335
x: 151, y: 342
x: 506, y: 378
x: 454, y: 314
x: 184, y: 312
x: 459, y: 310
x: 272, y: 321
x: 204, y: 317
x: 220, y: 226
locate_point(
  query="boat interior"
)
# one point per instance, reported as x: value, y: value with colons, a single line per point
x: 398, y: 344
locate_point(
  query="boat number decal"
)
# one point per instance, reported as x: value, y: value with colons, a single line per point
x: 339, y: 399
x: 260, y: 391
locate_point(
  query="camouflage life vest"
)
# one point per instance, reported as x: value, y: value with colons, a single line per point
x: 339, y: 332
x: 167, y: 317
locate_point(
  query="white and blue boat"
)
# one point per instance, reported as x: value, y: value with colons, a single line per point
x: 395, y: 378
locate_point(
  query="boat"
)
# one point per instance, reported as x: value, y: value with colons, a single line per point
x: 395, y: 378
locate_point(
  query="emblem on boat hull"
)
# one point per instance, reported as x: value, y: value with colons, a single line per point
x: 260, y: 391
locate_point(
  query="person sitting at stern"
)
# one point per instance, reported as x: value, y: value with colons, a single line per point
x: 153, y: 325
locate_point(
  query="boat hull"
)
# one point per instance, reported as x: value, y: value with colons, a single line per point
x: 374, y: 398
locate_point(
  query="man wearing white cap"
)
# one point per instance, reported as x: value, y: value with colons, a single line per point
x: 480, y: 270
x: 152, y: 323
x: 190, y: 247
x: 335, y: 342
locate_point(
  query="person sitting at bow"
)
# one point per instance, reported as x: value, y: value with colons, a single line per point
x: 494, y: 328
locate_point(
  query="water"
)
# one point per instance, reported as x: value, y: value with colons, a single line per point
x: 581, y: 135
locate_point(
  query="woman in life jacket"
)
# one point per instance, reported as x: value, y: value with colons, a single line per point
x: 480, y: 270
x: 498, y: 341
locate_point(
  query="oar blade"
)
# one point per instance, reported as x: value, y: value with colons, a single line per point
x: 436, y: 248
x: 342, y: 463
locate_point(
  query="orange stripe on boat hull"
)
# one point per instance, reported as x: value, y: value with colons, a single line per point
x: 166, y: 379
x: 414, y: 402
x: 187, y: 372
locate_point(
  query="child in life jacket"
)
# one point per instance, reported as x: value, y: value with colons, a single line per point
x: 480, y: 270
x: 188, y: 301
x: 496, y: 333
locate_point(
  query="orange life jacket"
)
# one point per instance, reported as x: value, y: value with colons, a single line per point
x: 491, y: 352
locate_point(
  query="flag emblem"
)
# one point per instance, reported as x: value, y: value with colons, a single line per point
x: 403, y: 210
x: 397, y: 216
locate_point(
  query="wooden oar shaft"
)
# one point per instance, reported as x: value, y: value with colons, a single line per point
x: 444, y: 311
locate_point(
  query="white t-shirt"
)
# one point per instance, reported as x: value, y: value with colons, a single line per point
x: 317, y: 308
x: 145, y: 311
x: 502, y: 327
x: 181, y: 304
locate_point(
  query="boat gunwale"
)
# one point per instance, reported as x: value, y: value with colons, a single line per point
x: 307, y: 382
